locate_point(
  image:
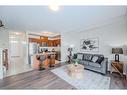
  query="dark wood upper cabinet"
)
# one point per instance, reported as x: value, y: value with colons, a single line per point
x: 44, y: 41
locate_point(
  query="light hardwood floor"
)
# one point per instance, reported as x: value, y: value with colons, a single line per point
x: 47, y: 80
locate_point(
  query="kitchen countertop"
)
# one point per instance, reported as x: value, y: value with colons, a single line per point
x: 49, y: 53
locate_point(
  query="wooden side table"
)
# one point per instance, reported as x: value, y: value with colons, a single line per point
x: 125, y: 68
x: 117, y: 67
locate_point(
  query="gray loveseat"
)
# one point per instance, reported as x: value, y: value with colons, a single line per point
x: 94, y: 62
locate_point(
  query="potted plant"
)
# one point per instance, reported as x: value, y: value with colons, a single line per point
x: 76, y: 62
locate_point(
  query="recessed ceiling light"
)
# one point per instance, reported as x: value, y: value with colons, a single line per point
x: 54, y: 7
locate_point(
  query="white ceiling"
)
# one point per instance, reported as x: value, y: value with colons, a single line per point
x: 41, y: 18
x: 44, y: 33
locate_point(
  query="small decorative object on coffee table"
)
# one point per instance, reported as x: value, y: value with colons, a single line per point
x: 75, y: 71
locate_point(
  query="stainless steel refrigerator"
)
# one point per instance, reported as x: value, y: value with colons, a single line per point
x: 33, y: 49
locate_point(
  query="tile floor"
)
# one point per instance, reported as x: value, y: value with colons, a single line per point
x: 18, y: 65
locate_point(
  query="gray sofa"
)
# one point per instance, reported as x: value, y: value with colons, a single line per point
x: 94, y: 62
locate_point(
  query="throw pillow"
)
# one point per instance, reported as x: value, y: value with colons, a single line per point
x: 94, y: 59
x: 80, y: 56
x: 100, y: 59
x: 88, y: 57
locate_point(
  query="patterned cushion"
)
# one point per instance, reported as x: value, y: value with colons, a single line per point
x: 100, y: 59
x: 99, y: 55
x: 94, y: 59
x: 80, y: 56
x: 88, y: 57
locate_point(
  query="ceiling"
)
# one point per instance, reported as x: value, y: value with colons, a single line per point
x: 41, y: 18
x: 44, y: 33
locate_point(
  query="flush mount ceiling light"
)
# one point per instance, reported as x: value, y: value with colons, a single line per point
x: 54, y: 7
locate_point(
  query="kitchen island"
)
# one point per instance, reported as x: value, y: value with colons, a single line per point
x: 46, y: 59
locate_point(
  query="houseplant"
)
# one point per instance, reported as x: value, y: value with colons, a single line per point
x: 76, y: 62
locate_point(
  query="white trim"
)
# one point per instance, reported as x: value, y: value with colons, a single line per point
x: 1, y: 65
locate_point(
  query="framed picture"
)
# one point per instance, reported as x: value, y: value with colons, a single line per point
x: 91, y: 44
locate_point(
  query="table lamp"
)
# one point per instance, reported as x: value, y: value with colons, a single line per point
x: 117, y: 51
x: 70, y: 54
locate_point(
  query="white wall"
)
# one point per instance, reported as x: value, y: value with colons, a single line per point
x: 4, y: 38
x: 112, y: 35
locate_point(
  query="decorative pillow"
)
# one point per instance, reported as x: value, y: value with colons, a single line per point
x: 88, y: 57
x: 79, y: 56
x: 100, y: 59
x: 95, y: 58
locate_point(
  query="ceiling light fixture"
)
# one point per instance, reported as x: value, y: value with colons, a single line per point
x: 54, y: 7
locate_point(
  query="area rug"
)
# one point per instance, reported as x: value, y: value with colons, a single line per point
x: 91, y: 80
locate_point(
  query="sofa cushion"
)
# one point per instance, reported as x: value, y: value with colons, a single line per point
x: 79, y: 56
x: 84, y: 62
x: 87, y: 57
x: 94, y: 59
x: 99, y: 55
x: 94, y: 64
x: 100, y: 59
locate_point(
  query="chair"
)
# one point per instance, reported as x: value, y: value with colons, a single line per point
x: 52, y: 60
x: 42, y: 58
